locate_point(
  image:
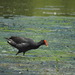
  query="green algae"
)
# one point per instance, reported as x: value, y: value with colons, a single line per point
x: 58, y: 58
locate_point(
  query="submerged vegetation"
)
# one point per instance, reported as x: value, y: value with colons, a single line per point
x: 58, y: 58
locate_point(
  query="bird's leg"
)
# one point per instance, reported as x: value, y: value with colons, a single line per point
x: 23, y: 53
x: 17, y: 52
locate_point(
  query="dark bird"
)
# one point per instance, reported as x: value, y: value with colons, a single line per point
x: 24, y: 44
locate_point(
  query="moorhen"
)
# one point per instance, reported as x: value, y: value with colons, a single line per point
x: 24, y: 44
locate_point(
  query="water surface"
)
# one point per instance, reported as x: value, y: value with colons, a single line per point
x: 37, y: 8
x: 52, y: 20
x: 58, y: 58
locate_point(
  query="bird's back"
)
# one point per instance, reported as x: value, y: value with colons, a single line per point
x: 21, y: 39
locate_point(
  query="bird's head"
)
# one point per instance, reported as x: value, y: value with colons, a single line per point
x: 45, y: 42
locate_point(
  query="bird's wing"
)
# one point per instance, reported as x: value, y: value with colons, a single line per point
x: 22, y: 45
x: 19, y: 40
x: 19, y: 45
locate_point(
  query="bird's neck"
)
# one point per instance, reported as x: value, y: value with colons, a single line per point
x: 38, y: 44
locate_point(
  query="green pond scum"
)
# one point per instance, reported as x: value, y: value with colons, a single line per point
x: 56, y: 59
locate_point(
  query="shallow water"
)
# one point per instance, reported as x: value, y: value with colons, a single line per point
x: 38, y: 20
x: 37, y: 8
x: 56, y: 59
